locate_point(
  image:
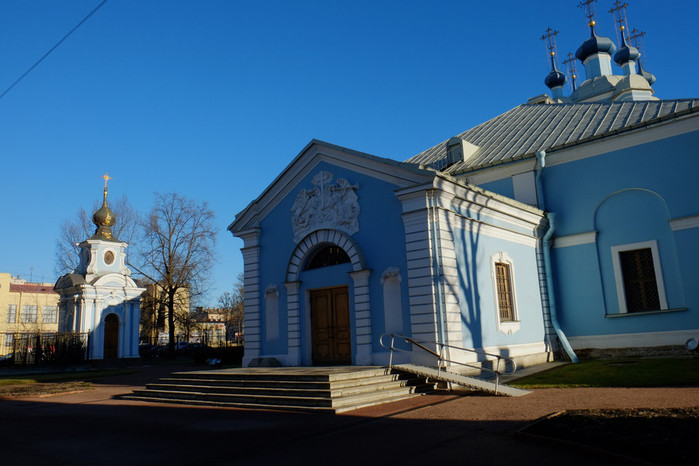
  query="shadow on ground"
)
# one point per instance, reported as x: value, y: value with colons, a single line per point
x: 59, y: 433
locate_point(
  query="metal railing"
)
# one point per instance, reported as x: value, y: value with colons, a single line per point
x: 37, y: 348
x: 442, y: 360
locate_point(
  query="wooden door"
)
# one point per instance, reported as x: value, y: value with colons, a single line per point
x: 111, y: 337
x: 330, y: 326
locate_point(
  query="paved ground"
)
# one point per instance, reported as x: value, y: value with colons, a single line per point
x: 96, y: 427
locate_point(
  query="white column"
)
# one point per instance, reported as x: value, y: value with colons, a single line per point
x: 251, y: 284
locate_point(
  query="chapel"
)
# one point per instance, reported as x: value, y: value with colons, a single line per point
x: 99, y: 297
x: 566, y: 225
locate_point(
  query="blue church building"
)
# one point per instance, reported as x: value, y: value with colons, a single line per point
x: 567, y: 224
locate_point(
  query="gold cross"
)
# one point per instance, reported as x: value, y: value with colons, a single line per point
x: 589, y: 7
x: 106, y: 178
x: 550, y: 39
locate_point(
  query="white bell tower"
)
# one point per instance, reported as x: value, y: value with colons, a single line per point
x: 99, y: 297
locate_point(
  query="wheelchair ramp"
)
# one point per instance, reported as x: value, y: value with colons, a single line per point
x: 471, y: 382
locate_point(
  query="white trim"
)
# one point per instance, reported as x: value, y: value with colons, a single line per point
x: 307, y: 160
x: 320, y: 237
x: 634, y: 340
x: 613, y: 143
x: 610, y: 143
x: 576, y: 239
x: 511, y: 351
x: 493, y: 231
x: 619, y: 280
x: 684, y: 223
x: 509, y: 327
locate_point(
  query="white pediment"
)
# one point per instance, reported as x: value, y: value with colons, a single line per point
x: 115, y: 280
x: 397, y: 173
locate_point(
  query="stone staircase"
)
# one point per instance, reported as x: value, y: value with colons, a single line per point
x: 314, y: 389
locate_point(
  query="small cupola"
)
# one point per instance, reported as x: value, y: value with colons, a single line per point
x: 103, y: 218
x: 596, y: 52
x: 627, y: 54
x: 636, y: 39
x: 555, y: 79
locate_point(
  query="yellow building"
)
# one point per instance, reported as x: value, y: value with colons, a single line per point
x: 154, y: 322
x: 25, y: 307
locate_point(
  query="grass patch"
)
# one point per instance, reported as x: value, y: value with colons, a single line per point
x: 35, y: 389
x: 61, y: 377
x: 639, y: 372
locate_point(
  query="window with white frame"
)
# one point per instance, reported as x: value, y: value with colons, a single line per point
x: 29, y: 313
x: 505, y: 299
x: 638, y: 276
x: 9, y: 339
x: 50, y: 314
x: 11, y: 313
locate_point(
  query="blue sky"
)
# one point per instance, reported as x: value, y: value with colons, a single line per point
x: 213, y: 98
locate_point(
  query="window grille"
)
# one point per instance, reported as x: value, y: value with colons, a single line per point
x: 640, y: 286
x: 50, y: 314
x: 327, y: 256
x: 29, y: 314
x: 504, y: 287
x: 11, y: 313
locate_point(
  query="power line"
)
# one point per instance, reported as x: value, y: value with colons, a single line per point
x: 53, y: 48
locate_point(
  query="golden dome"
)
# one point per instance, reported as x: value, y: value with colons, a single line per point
x: 103, y: 218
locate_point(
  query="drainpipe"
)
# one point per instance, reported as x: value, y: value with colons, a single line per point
x: 541, y: 156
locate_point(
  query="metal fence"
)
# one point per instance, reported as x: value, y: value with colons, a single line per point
x: 25, y: 349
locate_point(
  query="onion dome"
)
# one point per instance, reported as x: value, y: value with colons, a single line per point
x: 104, y: 219
x: 650, y: 77
x: 626, y: 52
x: 595, y: 44
x: 555, y: 79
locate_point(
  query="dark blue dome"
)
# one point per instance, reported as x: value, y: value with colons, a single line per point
x: 554, y: 79
x: 650, y: 77
x: 595, y: 44
x: 626, y: 53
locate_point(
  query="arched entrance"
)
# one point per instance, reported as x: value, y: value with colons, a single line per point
x: 111, y: 337
x: 341, y: 307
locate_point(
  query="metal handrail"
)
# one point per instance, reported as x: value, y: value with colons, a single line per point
x: 442, y: 360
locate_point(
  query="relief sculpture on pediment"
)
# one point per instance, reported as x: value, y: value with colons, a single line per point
x: 331, y: 205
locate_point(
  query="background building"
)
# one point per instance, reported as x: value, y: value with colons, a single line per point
x: 26, y: 308
x: 154, y: 328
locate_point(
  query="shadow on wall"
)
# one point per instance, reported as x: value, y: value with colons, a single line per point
x: 466, y: 249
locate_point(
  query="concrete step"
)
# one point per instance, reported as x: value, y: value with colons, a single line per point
x: 316, y: 389
x: 325, y: 392
x: 282, y: 399
x: 242, y: 381
x: 297, y: 374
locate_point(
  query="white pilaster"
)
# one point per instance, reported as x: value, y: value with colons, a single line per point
x: 294, y: 323
x: 362, y: 316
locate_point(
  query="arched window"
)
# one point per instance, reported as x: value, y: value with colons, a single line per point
x: 326, y: 256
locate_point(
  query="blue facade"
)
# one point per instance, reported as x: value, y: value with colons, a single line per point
x: 379, y: 226
x: 629, y: 196
x: 460, y: 253
x: 403, y: 275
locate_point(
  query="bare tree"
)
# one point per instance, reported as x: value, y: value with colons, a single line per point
x: 77, y: 230
x: 232, y: 305
x: 176, y: 250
